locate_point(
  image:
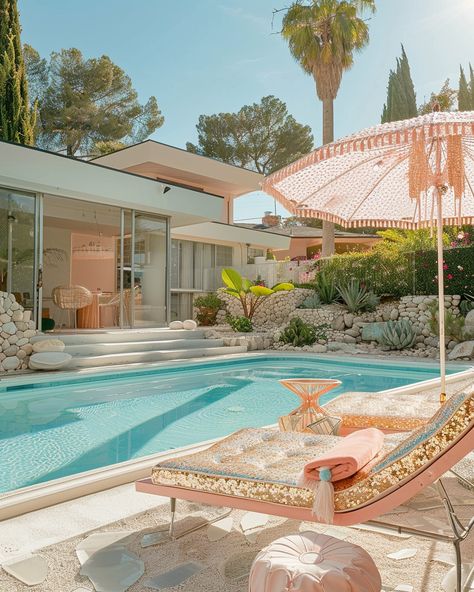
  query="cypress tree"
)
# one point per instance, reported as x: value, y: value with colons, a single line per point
x: 471, y: 86
x: 401, y: 97
x: 464, y: 93
x: 17, y: 120
x: 409, y: 95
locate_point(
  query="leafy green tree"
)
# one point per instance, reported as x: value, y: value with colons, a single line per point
x: 464, y: 93
x: 445, y: 99
x: 323, y: 36
x: 401, y: 97
x: 84, y: 103
x: 17, y: 118
x: 262, y: 136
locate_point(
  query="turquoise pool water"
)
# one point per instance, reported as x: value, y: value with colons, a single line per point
x: 66, y: 426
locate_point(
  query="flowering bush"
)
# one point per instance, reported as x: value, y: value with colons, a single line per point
x: 458, y: 266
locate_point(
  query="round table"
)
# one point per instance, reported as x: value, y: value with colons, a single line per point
x: 308, y: 390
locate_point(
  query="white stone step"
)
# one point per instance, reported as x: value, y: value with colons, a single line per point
x: 120, y: 335
x: 96, y: 349
x: 151, y: 356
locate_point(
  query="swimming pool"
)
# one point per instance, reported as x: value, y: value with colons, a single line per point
x: 69, y: 425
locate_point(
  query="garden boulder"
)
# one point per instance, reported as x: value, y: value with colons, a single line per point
x: 373, y: 331
x: 462, y: 350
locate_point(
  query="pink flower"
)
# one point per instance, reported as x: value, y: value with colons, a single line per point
x: 450, y: 276
x: 445, y: 266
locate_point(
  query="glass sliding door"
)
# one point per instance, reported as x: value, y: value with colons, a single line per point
x: 18, y: 246
x: 149, y: 283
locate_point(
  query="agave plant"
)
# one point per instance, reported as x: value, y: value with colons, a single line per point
x: 357, y: 298
x: 398, y: 334
x: 298, y: 333
x: 251, y: 296
x: 313, y: 301
x: 326, y: 288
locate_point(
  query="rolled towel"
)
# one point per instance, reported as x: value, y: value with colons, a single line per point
x: 349, y: 455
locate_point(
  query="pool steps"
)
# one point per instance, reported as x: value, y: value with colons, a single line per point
x: 105, y: 348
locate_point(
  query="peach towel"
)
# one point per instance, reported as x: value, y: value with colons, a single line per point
x: 348, y: 456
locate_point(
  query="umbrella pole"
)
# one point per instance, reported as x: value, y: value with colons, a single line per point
x: 442, y: 343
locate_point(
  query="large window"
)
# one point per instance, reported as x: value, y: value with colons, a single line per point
x: 193, y: 267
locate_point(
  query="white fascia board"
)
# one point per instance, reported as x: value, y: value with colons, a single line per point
x: 228, y: 233
x: 43, y: 172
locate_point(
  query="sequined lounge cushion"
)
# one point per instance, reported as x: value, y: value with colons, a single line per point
x: 399, y: 412
x: 264, y: 464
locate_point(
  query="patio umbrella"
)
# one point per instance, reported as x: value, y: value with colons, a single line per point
x: 409, y: 174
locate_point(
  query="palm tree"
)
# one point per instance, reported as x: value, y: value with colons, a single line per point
x: 323, y: 36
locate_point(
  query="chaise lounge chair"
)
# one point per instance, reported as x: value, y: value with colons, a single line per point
x: 257, y: 470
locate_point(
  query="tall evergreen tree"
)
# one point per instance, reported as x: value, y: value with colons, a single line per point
x: 471, y: 85
x: 401, y: 97
x: 17, y: 119
x: 464, y: 93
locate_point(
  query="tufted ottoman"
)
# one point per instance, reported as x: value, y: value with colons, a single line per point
x: 313, y: 562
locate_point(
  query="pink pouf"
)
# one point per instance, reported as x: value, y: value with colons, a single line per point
x: 312, y: 562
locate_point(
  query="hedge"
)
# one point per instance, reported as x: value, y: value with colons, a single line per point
x: 458, y: 266
x: 385, y: 275
x: 403, y: 274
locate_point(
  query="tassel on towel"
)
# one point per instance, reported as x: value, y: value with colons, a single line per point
x: 323, y: 506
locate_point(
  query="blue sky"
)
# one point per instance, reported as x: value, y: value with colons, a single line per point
x: 208, y: 56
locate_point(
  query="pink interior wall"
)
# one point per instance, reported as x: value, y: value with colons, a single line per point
x: 94, y: 275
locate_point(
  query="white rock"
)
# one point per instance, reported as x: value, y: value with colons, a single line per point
x: 17, y: 315
x: 49, y: 360
x: 11, y: 363
x: 189, y: 325
x: 176, y: 325
x: 9, y: 328
x: 461, y: 350
x: 4, y: 318
x: 48, y: 345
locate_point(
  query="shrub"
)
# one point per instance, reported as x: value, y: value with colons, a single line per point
x: 250, y: 295
x: 388, y: 274
x: 207, y: 306
x: 458, y: 264
x: 466, y: 304
x: 453, y: 325
x: 356, y: 297
x: 298, y: 333
x: 398, y: 334
x: 240, y: 324
x: 313, y: 301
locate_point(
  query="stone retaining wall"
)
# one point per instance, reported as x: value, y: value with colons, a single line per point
x: 16, y: 331
x: 344, y: 329
x: 274, y: 311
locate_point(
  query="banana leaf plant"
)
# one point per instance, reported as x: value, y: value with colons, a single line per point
x: 250, y: 295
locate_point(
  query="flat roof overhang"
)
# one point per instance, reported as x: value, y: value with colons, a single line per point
x: 40, y: 171
x: 160, y: 161
x: 229, y: 233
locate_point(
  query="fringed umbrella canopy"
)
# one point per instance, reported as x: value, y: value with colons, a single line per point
x: 386, y: 176
x: 405, y: 174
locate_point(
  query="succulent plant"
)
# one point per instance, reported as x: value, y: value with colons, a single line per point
x: 357, y: 297
x: 313, y: 301
x: 298, y: 333
x: 398, y: 334
x: 240, y: 324
x: 326, y: 288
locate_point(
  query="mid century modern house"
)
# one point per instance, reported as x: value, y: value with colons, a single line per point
x: 306, y: 241
x: 143, y: 229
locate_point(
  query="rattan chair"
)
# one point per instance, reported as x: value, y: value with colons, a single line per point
x: 71, y: 298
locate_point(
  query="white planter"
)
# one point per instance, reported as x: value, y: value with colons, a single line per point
x: 259, y: 260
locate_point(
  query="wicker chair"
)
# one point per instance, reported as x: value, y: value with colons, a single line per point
x: 71, y: 298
